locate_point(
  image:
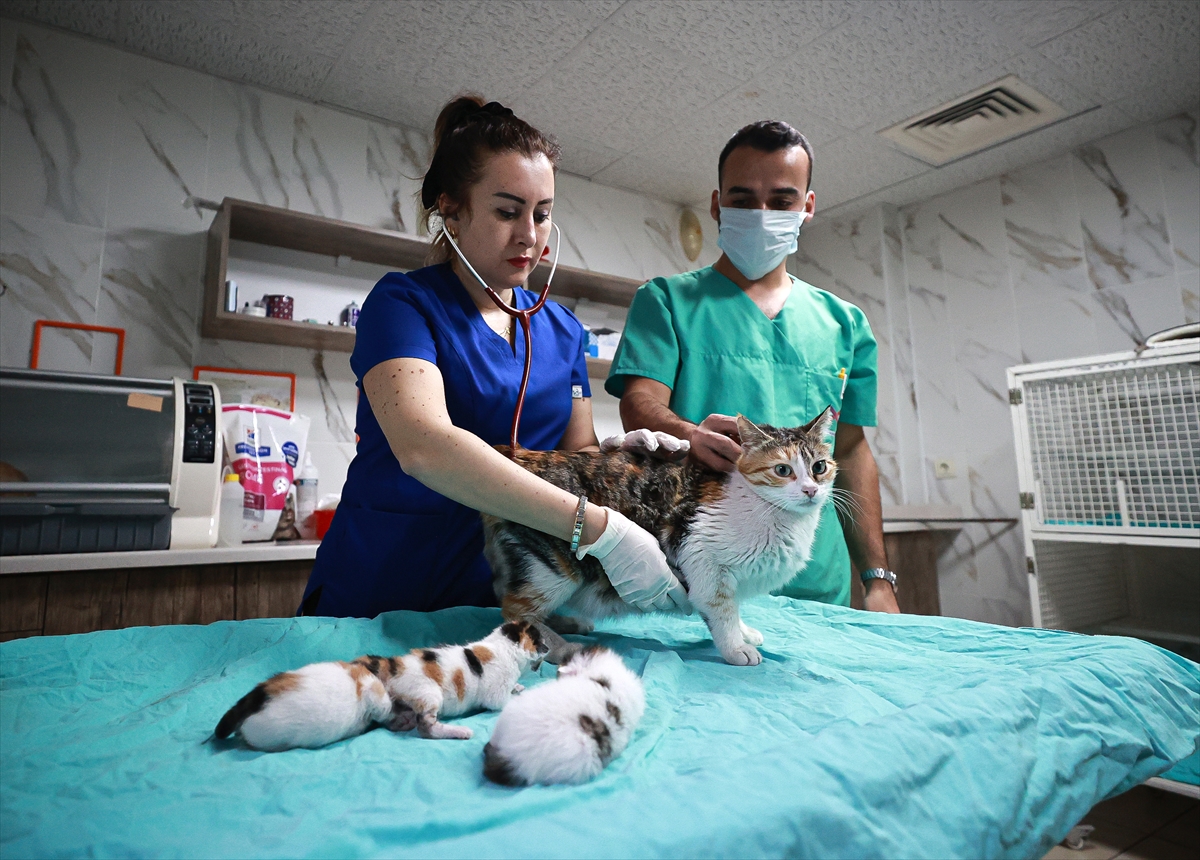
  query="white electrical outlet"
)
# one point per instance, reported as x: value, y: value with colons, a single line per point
x: 944, y: 469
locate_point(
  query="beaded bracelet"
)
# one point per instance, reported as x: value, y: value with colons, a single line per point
x: 578, y: 530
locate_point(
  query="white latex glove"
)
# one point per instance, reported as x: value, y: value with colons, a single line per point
x: 664, y: 446
x: 636, y: 567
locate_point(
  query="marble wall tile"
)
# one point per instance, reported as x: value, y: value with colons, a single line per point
x: 1126, y: 316
x: 396, y: 161
x: 845, y: 257
x: 1061, y: 325
x: 933, y: 347
x: 329, y: 160
x: 160, y: 147
x: 8, y: 52
x: 57, y: 124
x: 981, y: 576
x: 1044, y: 232
x: 974, y: 253
x: 48, y: 270
x: 622, y: 233
x: 982, y: 386
x: 151, y: 286
x: 1123, y: 210
x: 1177, y: 141
x: 250, y: 147
x: 904, y: 396
x: 1189, y: 289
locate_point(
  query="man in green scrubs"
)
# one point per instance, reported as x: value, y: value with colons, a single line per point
x: 744, y: 336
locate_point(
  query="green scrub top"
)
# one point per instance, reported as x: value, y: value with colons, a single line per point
x: 706, y: 340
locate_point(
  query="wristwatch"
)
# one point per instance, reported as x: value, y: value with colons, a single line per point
x: 879, y: 573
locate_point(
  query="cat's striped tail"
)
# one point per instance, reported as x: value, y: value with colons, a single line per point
x: 246, y: 706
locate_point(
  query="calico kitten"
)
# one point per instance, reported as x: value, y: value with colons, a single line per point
x: 726, y: 536
x: 569, y: 729
x: 325, y: 702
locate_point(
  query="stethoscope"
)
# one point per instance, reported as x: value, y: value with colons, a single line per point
x: 521, y: 315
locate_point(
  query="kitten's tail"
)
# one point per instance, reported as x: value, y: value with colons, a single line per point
x: 497, y: 768
x: 246, y: 706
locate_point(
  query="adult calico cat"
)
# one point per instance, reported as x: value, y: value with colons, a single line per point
x: 727, y: 536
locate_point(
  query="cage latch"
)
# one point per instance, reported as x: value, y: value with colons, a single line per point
x: 1029, y: 566
x: 1014, y: 396
x: 1027, y: 501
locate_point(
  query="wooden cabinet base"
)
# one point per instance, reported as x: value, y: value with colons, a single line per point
x: 80, y: 602
x: 913, y: 557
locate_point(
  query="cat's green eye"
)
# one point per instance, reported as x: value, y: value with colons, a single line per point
x: 783, y: 470
x: 819, y: 467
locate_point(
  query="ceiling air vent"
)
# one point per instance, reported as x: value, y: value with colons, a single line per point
x: 979, y: 119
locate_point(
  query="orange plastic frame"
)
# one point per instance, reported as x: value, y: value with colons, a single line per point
x: 291, y: 377
x: 40, y: 324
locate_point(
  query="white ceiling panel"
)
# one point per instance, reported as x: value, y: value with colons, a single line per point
x: 1030, y: 149
x: 99, y: 20
x: 737, y: 39
x: 679, y: 181
x: 644, y: 93
x: 1031, y: 22
x: 584, y: 157
x: 242, y: 42
x: 1132, y: 51
x: 616, y: 90
x: 895, y: 59
x: 845, y: 169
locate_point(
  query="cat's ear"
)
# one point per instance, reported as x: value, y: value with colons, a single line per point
x: 750, y: 432
x: 821, y: 425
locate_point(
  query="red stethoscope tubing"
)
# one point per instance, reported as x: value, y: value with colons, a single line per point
x: 522, y: 316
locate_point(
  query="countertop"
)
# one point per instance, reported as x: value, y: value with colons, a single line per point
x: 897, y: 519
x: 293, y: 550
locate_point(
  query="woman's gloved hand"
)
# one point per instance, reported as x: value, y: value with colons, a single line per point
x: 636, y: 567
x: 657, y: 444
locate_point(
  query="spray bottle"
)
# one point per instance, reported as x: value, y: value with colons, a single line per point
x: 306, y: 498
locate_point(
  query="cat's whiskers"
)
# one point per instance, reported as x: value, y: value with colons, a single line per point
x: 846, y: 503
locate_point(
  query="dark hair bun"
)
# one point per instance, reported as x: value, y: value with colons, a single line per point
x: 467, y: 131
x: 454, y: 116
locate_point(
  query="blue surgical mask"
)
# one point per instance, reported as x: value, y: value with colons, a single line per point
x: 758, y: 240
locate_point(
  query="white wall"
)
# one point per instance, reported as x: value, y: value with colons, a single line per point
x: 1084, y: 254
x: 100, y: 151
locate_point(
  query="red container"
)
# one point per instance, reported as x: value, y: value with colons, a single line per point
x: 322, y: 519
x: 278, y: 306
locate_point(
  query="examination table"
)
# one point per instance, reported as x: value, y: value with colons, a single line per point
x: 860, y: 735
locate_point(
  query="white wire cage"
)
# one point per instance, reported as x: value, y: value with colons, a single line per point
x: 1110, y: 445
x: 1107, y: 451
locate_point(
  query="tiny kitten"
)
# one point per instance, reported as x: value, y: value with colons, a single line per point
x: 569, y: 729
x: 726, y: 536
x: 325, y: 702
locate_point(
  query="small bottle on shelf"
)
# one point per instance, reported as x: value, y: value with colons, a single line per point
x: 233, y: 502
x: 306, y: 498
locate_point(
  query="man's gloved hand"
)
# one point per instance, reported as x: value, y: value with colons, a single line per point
x: 636, y: 567
x: 661, y: 445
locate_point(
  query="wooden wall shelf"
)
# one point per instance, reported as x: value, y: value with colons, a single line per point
x: 297, y: 231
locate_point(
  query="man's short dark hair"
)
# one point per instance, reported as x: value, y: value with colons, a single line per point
x: 768, y: 135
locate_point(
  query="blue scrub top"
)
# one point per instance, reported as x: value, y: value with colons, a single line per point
x: 394, y: 543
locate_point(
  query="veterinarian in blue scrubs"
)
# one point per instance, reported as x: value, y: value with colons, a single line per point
x: 439, y: 366
x: 744, y: 336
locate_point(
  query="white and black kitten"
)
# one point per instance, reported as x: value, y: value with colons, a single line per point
x: 569, y: 729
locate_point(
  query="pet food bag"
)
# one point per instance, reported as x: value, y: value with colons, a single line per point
x: 264, y: 446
